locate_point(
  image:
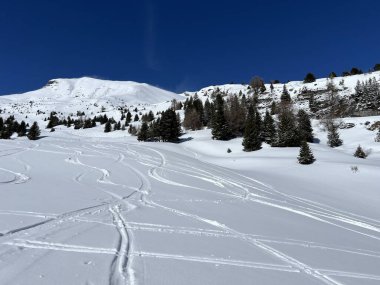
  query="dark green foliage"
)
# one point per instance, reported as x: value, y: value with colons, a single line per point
x: 235, y: 113
x: 285, y: 96
x: 22, y: 129
x: 346, y: 73
x: 305, y: 156
x: 143, y: 133
x: 207, y: 113
x: 132, y: 130
x: 220, y: 128
x: 309, y: 78
x: 360, y: 152
x: 229, y: 150
x: 148, y: 117
x: 87, y: 124
x: 53, y: 120
x: 170, y: 126
x: 251, y: 139
x: 355, y: 71
x: 305, y: 131
x: 136, y: 118
x: 128, y: 117
x: 332, y: 75
x: 333, y: 139
x: 269, y: 129
x: 376, y: 67
x: 287, y: 129
x: 271, y: 87
x: 108, y: 127
x: 34, y: 132
x: 273, y: 108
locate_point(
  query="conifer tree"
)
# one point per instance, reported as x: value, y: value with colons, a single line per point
x: 285, y: 96
x: 207, y: 113
x: 271, y: 87
x: 1, y: 124
x: 287, y: 129
x: 305, y: 130
x: 269, y: 129
x: 305, y: 156
x: 220, y: 128
x: 273, y: 108
x: 309, y: 78
x: 108, y: 127
x: 251, y: 139
x: 22, y: 129
x: 143, y: 133
x: 128, y: 118
x: 34, y: 132
x: 170, y: 126
x: 333, y: 139
x: 360, y: 152
x: 136, y: 118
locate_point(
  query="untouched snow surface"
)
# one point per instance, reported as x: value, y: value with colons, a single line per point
x: 79, y: 209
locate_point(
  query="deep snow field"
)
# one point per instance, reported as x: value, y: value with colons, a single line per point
x: 79, y: 207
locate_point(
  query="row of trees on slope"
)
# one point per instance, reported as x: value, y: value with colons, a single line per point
x: 354, y: 71
x: 10, y: 126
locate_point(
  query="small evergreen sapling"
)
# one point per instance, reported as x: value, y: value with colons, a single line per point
x: 305, y: 156
x: 360, y: 153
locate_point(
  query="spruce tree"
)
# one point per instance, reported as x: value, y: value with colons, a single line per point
x: 251, y: 138
x: 285, y: 96
x: 360, y: 152
x: 129, y: 117
x: 34, y: 132
x: 143, y: 133
x: 108, y: 127
x: 269, y: 129
x: 309, y: 78
x: 305, y: 156
x: 220, y: 128
x: 287, y: 129
x: 273, y: 108
x: 305, y: 130
x: 136, y: 118
x: 333, y: 139
x: 170, y: 127
x: 22, y: 129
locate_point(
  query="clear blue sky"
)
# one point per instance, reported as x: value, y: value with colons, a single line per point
x: 183, y: 45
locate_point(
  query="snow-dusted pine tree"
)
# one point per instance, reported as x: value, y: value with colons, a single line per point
x: 251, y: 139
x: 333, y: 139
x: 34, y: 132
x: 360, y: 152
x: 306, y: 156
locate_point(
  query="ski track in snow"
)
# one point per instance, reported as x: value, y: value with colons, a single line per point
x: 229, y: 185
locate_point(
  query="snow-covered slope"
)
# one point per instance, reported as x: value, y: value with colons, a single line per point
x: 85, y: 94
x: 86, y: 210
x: 299, y: 91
